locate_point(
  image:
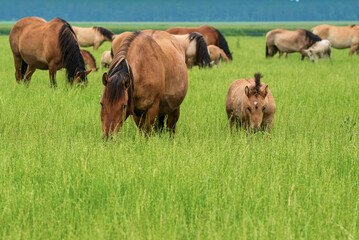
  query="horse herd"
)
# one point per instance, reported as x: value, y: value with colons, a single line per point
x: 142, y: 81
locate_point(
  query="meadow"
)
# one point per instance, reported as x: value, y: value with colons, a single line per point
x: 60, y: 180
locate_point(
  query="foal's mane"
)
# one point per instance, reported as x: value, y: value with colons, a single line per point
x: 118, y: 71
x: 104, y: 32
x: 202, y: 56
x: 70, y: 51
x: 311, y: 37
x: 256, y: 87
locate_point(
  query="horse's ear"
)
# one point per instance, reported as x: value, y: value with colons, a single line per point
x: 265, y: 91
x: 246, y: 90
x: 105, y: 79
x: 88, y: 72
x: 126, y: 82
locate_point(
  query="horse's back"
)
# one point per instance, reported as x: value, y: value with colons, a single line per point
x: 339, y: 36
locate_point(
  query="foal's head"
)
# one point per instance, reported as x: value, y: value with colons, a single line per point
x: 255, y: 104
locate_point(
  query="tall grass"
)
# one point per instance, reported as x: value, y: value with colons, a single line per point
x: 58, y: 179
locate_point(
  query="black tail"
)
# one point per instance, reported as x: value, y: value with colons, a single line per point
x: 224, y: 45
x: 23, y: 68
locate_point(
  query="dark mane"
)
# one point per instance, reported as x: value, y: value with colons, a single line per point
x: 118, y: 71
x: 311, y: 37
x: 223, y: 44
x: 105, y: 32
x: 353, y: 25
x: 91, y: 56
x: 202, y: 55
x: 256, y: 88
x: 70, y: 51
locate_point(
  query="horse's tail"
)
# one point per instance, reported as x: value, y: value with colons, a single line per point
x: 223, y: 44
x: 23, y: 68
x: 202, y: 56
x: 224, y: 56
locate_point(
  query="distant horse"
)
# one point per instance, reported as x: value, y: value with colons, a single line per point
x: 250, y: 104
x: 289, y: 41
x: 211, y: 35
x: 340, y: 37
x: 216, y: 54
x: 37, y: 44
x: 89, y: 59
x: 106, y: 59
x: 143, y: 82
x: 321, y: 49
x: 93, y: 36
x: 193, y: 45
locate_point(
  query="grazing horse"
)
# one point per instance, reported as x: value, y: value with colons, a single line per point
x: 193, y: 45
x: 37, y: 44
x: 216, y: 54
x: 93, y: 36
x: 89, y: 59
x: 289, y: 41
x: 211, y: 35
x: 340, y: 37
x: 106, y: 59
x: 250, y: 104
x: 319, y: 49
x: 142, y: 82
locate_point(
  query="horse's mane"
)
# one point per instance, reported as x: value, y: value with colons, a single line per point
x: 105, y: 32
x: 202, y: 56
x: 312, y: 38
x: 223, y: 44
x: 118, y: 70
x: 91, y: 56
x: 353, y: 25
x: 256, y: 87
x: 70, y: 51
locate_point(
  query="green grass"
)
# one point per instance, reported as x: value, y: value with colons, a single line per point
x: 227, y: 28
x: 59, y: 180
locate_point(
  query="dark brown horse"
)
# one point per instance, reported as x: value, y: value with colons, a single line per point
x: 89, y: 60
x: 211, y: 35
x: 143, y: 82
x: 37, y: 44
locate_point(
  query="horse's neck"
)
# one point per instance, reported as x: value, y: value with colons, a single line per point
x: 183, y: 40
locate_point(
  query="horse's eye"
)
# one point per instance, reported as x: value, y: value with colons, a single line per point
x: 249, y: 109
x: 124, y: 107
x: 264, y: 108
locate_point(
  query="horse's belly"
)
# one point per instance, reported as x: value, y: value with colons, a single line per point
x: 36, y: 60
x: 340, y: 44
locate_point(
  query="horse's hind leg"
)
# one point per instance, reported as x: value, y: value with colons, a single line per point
x: 172, y: 120
x: 160, y: 123
x: 19, y: 68
x: 353, y: 48
x: 27, y: 77
x: 52, y: 73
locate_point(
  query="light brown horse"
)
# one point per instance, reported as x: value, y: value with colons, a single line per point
x: 216, y: 54
x: 89, y: 59
x: 250, y: 104
x: 193, y: 45
x: 106, y: 59
x: 289, y: 41
x: 340, y: 37
x: 211, y: 35
x: 37, y: 44
x: 142, y: 82
x: 93, y: 36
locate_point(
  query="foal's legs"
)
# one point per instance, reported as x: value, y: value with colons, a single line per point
x: 172, y: 120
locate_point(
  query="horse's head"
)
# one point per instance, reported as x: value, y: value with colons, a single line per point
x: 198, y: 50
x: 310, y: 54
x: 81, y: 77
x: 115, y: 100
x: 255, y: 104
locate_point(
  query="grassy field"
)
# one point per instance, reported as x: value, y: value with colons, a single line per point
x: 227, y: 28
x: 59, y: 180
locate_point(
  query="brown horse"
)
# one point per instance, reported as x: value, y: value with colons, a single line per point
x: 211, y: 35
x: 193, y: 45
x: 289, y: 41
x: 340, y: 37
x: 93, y: 36
x: 250, y: 103
x: 216, y: 54
x: 142, y: 82
x: 89, y: 59
x: 37, y: 44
